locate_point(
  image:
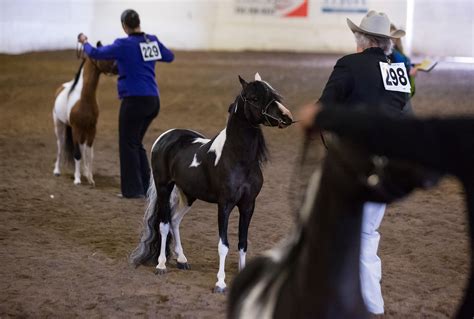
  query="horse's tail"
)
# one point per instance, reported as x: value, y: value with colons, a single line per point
x: 68, y: 147
x: 148, y: 250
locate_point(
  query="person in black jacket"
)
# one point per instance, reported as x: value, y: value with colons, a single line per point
x: 367, y: 80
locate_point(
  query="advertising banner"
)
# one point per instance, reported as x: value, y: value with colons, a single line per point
x: 275, y: 8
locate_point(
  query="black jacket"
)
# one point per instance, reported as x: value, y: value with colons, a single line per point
x: 356, y: 82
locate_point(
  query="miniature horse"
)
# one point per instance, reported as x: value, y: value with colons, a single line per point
x: 75, y: 116
x: 225, y: 170
x: 315, y: 274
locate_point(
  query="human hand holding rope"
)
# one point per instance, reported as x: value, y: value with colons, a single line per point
x: 306, y: 119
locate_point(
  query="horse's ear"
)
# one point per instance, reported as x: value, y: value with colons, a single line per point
x: 258, y: 77
x: 99, y: 44
x: 242, y: 82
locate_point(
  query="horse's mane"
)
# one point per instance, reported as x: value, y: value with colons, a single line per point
x: 76, y: 79
x: 261, y: 150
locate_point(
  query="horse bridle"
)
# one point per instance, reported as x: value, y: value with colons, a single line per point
x: 264, y: 111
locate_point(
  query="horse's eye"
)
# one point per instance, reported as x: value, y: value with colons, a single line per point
x: 255, y: 99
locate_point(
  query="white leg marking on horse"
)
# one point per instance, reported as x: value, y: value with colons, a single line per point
x: 177, y: 218
x: 195, y: 162
x: 179, y: 208
x: 201, y: 140
x: 88, y: 158
x: 164, y: 230
x: 284, y: 110
x: 311, y: 191
x: 77, y: 172
x: 242, y: 255
x: 223, y: 250
x: 218, y: 145
x: 60, y: 130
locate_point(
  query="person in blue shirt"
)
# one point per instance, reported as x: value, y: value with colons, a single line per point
x: 136, y: 56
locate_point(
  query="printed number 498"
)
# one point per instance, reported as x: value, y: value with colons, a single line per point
x: 395, y: 77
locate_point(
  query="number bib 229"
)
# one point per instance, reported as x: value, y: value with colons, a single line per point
x: 395, y: 77
x: 150, y: 51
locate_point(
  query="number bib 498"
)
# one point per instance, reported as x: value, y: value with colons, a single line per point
x: 395, y: 77
x: 150, y: 51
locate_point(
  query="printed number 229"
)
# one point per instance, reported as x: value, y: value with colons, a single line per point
x: 150, y: 51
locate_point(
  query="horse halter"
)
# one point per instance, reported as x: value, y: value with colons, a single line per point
x: 264, y: 111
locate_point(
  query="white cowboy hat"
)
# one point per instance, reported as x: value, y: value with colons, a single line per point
x: 376, y: 24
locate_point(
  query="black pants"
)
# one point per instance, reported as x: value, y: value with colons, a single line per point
x: 136, y: 114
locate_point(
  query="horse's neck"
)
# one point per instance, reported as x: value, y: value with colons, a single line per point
x: 90, y: 82
x: 328, y: 267
x: 244, y: 137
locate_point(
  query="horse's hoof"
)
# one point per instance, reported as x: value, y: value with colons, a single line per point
x: 183, y: 266
x: 159, y: 271
x: 57, y: 174
x: 219, y: 290
x: 77, y: 182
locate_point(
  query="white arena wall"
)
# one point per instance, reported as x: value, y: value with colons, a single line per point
x: 434, y: 27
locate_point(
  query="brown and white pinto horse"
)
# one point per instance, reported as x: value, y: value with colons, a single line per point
x: 75, y: 115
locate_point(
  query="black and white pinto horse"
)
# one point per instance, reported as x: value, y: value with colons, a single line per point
x: 315, y: 273
x: 225, y: 170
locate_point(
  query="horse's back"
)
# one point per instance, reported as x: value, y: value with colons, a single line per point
x: 65, y: 100
x: 173, y: 137
x: 173, y: 151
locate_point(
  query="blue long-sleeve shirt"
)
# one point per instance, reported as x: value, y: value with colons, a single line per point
x: 136, y: 76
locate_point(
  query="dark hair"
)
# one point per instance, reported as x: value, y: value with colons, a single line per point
x: 130, y: 18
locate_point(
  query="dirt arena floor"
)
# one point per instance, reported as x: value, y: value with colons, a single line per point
x: 64, y: 248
